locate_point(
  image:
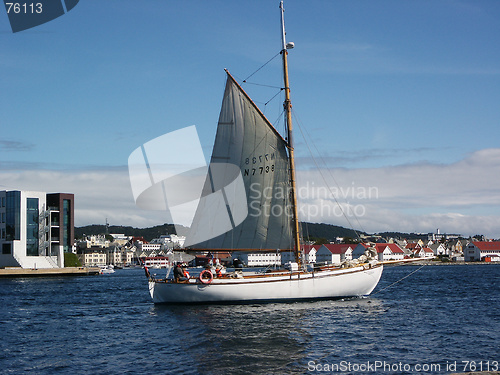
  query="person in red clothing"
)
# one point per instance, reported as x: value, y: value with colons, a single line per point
x: 218, y: 272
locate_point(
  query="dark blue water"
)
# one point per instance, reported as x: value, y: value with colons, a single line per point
x: 107, y: 324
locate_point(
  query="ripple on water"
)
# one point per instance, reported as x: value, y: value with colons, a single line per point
x: 108, y: 325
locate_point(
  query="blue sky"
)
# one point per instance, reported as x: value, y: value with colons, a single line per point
x: 392, y: 94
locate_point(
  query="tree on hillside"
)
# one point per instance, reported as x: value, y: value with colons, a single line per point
x: 320, y: 241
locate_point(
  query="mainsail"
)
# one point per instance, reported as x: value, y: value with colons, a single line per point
x: 247, y: 148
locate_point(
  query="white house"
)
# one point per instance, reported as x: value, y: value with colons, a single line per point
x: 389, y: 251
x: 481, y: 250
x: 308, y: 255
x: 424, y: 252
x: 440, y: 249
x: 310, y: 252
x: 334, y: 253
x: 385, y: 251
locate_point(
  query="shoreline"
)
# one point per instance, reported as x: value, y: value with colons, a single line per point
x: 438, y: 263
x: 40, y: 272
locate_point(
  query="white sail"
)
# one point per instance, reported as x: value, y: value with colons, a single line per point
x: 246, y: 140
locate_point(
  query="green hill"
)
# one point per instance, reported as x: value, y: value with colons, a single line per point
x: 147, y: 233
x: 328, y: 232
x: 310, y: 230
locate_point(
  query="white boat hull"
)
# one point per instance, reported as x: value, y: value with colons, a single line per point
x: 329, y: 284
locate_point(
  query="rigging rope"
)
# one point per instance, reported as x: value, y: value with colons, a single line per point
x: 399, y: 280
x: 261, y: 84
x: 324, y: 179
x: 266, y: 103
x: 272, y: 58
x: 277, y: 121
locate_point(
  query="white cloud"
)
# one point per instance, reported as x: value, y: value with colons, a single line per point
x: 463, y: 197
x: 458, y: 197
x: 99, y: 194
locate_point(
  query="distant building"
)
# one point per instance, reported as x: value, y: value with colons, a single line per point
x: 287, y: 257
x: 120, y: 238
x: 440, y: 249
x: 260, y: 259
x: 424, y: 252
x: 156, y: 262
x: 310, y: 252
x: 61, y: 207
x: 120, y: 256
x: 334, y: 253
x: 389, y: 251
x: 95, y: 240
x: 414, y: 246
x: 359, y: 250
x: 99, y: 256
x: 458, y: 246
x: 438, y: 236
x: 170, y: 241
x: 308, y: 255
x: 481, y: 250
x: 94, y: 256
x: 36, y: 228
x: 148, y: 247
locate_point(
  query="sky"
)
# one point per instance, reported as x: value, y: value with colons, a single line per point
x: 396, y: 103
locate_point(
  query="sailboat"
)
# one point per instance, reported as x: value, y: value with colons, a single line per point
x: 266, y: 167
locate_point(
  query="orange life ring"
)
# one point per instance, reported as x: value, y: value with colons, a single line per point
x: 206, y: 281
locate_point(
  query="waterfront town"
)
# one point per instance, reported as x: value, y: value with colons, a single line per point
x: 37, y: 230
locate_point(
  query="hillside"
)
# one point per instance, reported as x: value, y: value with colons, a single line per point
x: 328, y: 232
x: 147, y: 233
x: 311, y: 230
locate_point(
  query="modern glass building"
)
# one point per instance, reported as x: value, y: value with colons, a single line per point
x: 61, y: 207
x: 35, y: 228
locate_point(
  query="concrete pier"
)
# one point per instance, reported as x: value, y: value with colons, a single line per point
x: 29, y: 272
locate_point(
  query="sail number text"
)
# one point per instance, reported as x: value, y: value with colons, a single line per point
x: 258, y: 165
x: 24, y: 8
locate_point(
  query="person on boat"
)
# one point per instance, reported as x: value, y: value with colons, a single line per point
x: 218, y: 271
x: 179, y: 273
x: 238, y: 264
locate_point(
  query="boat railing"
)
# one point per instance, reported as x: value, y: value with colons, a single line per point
x: 269, y: 268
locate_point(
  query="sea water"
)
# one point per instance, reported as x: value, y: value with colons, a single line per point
x: 438, y: 320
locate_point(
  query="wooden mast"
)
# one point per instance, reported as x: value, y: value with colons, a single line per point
x: 288, y: 111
